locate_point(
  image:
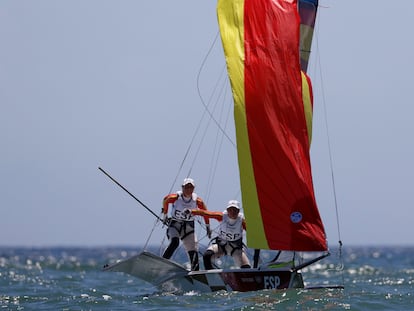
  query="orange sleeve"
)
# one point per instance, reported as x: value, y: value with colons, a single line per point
x: 170, y: 198
x: 208, y: 214
x: 202, y: 206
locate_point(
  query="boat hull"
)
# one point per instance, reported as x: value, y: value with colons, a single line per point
x: 172, y: 277
x: 242, y: 280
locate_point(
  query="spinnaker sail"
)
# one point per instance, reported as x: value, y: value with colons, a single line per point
x: 273, y: 113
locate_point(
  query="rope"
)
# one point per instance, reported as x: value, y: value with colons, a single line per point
x: 150, y: 235
x: 340, y: 266
x: 206, y: 112
x: 329, y: 146
x: 199, y: 92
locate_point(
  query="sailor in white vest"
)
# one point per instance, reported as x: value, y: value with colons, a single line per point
x: 230, y: 237
x: 181, y: 225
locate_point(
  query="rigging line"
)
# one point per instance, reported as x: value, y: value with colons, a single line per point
x: 220, y: 95
x: 220, y: 128
x: 206, y: 110
x: 218, y: 145
x: 199, y: 91
x: 150, y: 235
x: 208, y: 122
x: 187, y: 153
x: 329, y: 142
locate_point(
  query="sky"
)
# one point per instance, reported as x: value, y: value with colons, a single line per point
x: 122, y: 85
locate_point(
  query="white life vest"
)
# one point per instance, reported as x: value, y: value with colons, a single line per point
x: 231, y: 229
x: 183, y: 204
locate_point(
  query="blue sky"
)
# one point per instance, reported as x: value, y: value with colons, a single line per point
x: 88, y: 84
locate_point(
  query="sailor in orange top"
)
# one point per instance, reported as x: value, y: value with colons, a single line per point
x: 230, y: 238
x: 181, y: 225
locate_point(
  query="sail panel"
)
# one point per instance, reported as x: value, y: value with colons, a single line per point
x: 230, y: 16
x: 261, y: 44
x: 307, y: 12
x: 307, y: 97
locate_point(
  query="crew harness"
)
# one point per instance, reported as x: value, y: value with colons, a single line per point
x: 231, y: 234
x: 182, y: 220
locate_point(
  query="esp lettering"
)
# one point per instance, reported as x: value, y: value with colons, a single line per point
x: 271, y: 281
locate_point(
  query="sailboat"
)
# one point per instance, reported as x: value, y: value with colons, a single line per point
x: 267, y: 46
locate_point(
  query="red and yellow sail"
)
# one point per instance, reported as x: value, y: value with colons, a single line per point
x: 273, y: 113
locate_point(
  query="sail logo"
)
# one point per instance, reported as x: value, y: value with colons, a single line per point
x: 271, y: 281
x: 296, y: 217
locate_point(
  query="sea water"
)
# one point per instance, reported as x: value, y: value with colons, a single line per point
x: 374, y: 278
